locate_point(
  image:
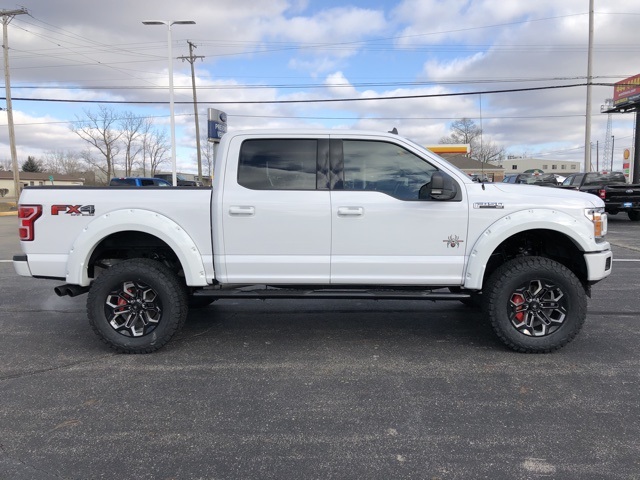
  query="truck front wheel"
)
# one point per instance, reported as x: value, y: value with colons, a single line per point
x: 535, y: 304
x: 137, y: 306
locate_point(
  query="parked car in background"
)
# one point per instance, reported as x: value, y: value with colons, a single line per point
x: 480, y: 178
x: 181, y: 180
x: 138, y: 182
x: 618, y: 195
x: 543, y: 179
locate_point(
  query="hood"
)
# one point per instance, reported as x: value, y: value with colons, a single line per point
x: 547, y: 196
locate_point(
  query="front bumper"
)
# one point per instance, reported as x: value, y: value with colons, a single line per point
x: 598, y: 265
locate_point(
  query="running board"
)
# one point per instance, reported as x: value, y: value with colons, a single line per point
x: 331, y: 293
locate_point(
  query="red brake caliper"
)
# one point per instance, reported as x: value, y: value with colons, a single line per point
x: 518, y: 300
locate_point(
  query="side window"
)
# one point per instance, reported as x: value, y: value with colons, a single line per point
x: 384, y: 167
x: 274, y: 164
x: 145, y: 182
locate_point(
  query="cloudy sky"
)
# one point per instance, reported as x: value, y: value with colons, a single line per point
x: 68, y: 56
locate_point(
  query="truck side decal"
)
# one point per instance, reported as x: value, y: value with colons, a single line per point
x: 74, y: 210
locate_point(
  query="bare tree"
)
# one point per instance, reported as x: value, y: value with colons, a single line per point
x: 98, y: 166
x: 64, y: 163
x: 99, y: 130
x: 465, y: 131
x: 132, y: 128
x: 154, y: 148
x: 5, y: 164
x: 489, y: 152
x: 208, y: 155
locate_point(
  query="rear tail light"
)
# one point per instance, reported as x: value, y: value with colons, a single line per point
x: 27, y: 215
x: 602, y: 193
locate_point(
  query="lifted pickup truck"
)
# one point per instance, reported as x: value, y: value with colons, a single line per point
x: 320, y: 214
x: 612, y: 188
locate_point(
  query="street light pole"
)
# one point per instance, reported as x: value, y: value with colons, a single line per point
x: 171, y: 109
x: 587, y: 129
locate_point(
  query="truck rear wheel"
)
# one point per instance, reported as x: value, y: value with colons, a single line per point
x: 137, y: 306
x: 535, y: 304
x: 634, y: 215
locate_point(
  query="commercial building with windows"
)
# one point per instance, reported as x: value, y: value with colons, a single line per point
x: 521, y: 165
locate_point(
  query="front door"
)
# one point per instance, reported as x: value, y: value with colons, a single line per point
x: 383, y: 232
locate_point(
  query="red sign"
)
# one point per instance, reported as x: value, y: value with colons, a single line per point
x: 627, y: 90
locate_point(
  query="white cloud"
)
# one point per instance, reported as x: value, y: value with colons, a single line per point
x: 269, y: 51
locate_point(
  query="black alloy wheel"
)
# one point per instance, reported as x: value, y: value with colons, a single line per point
x: 535, y: 304
x: 137, y: 305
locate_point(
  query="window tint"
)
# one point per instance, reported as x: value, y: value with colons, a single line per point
x: 384, y: 167
x: 120, y: 182
x: 600, y: 178
x: 278, y: 164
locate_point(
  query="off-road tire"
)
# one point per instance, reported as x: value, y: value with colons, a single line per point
x: 137, y: 305
x: 535, y: 304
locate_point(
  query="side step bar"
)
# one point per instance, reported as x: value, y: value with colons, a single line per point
x: 331, y: 293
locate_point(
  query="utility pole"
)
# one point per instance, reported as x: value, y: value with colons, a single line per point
x: 191, y: 59
x: 7, y: 16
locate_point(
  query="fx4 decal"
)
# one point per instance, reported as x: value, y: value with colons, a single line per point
x: 73, y: 210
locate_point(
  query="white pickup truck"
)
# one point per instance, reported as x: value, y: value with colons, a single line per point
x: 320, y: 214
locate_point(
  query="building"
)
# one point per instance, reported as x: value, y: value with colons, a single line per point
x: 521, y: 165
x: 484, y: 171
x: 458, y: 156
x: 32, y: 179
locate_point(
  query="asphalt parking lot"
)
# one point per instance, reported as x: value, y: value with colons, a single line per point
x: 319, y: 389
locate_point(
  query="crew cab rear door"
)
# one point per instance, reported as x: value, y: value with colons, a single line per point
x: 386, y: 229
x: 276, y: 221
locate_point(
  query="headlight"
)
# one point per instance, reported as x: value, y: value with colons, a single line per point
x: 599, y: 220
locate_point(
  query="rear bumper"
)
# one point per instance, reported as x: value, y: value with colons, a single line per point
x: 21, y: 265
x: 615, y: 206
x: 598, y: 265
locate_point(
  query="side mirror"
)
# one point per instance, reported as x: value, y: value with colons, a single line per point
x: 442, y: 187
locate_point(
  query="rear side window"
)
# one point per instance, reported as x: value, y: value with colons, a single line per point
x: 273, y: 164
x: 122, y: 182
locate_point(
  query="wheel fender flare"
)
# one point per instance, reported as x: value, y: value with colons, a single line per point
x: 137, y: 220
x: 521, y: 221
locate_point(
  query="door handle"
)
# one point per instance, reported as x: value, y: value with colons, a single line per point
x: 242, y: 211
x: 350, y: 211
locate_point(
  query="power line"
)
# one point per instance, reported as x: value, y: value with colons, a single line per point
x: 318, y: 100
